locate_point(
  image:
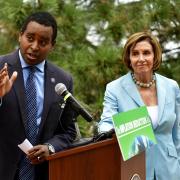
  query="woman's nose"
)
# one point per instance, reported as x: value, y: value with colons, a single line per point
x: 141, y: 57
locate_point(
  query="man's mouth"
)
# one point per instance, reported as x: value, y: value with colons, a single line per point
x: 31, y: 56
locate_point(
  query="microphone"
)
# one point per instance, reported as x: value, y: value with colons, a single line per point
x: 61, y: 90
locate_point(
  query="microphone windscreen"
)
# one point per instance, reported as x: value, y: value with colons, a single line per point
x: 60, y: 88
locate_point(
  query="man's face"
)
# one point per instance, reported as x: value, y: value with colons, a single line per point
x: 35, y: 42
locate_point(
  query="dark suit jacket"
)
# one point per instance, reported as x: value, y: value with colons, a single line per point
x: 56, y: 125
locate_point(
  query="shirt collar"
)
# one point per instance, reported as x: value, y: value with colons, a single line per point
x: 39, y: 66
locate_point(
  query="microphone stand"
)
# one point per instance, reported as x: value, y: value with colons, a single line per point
x: 78, y: 140
x: 78, y: 136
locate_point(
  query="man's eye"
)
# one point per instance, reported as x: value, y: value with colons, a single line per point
x: 43, y: 43
x: 30, y: 38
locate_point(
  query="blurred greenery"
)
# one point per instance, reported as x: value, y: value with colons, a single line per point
x: 91, y: 35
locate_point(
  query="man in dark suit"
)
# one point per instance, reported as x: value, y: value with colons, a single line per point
x: 55, y: 127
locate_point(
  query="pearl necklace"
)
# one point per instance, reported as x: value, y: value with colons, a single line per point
x: 141, y: 84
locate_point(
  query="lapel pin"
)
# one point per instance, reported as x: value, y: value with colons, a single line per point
x: 53, y: 80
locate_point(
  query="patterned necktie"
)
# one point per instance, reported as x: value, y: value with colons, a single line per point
x: 31, y: 106
x: 26, y: 170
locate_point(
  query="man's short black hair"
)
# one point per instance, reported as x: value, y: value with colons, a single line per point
x: 43, y: 18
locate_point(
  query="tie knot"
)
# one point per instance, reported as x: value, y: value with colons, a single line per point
x: 32, y: 69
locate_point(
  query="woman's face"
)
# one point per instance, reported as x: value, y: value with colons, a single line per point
x: 142, y: 57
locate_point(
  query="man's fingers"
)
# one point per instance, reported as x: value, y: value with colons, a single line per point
x: 4, y: 68
x: 13, y: 77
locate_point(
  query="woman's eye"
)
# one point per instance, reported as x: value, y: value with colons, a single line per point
x: 135, y: 53
x: 147, y: 52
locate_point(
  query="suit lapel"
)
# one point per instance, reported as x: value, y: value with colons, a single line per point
x: 14, y: 65
x: 161, y: 94
x: 131, y: 89
x: 49, y: 93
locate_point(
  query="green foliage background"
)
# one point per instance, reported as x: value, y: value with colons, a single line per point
x: 94, y: 64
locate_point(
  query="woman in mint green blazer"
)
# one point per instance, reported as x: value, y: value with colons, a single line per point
x: 142, y: 86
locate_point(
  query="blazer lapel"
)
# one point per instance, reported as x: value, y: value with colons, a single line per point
x: 14, y: 65
x: 131, y: 89
x: 161, y: 94
x: 49, y: 94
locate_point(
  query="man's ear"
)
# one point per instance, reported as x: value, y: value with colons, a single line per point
x: 53, y: 45
x: 19, y: 38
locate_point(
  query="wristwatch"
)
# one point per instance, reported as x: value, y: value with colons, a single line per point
x: 50, y: 148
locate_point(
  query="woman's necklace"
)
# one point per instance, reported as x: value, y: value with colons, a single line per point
x: 141, y: 84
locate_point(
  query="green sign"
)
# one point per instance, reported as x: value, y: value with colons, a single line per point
x: 134, y: 131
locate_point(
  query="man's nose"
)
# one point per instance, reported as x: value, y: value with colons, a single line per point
x: 35, y: 46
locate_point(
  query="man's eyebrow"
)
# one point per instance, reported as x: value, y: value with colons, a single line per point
x: 30, y: 33
x: 45, y: 38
